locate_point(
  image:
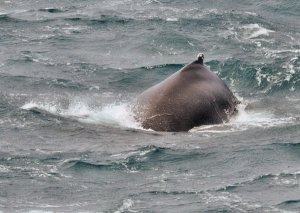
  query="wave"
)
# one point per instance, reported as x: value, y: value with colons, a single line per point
x: 281, y: 179
x: 291, y: 202
x: 144, y: 158
x: 102, y: 20
x: 192, y: 17
x: 243, y: 77
x: 79, y: 165
x: 154, y: 153
x: 143, y: 77
x: 272, y: 78
x: 284, y: 8
x: 162, y: 192
x: 26, y: 166
x: 280, y: 176
x: 14, y: 17
x: 280, y: 74
x: 5, y: 107
x: 6, y: 18
x: 53, y: 10
x: 45, y: 83
x: 291, y: 205
x: 215, y: 202
x: 62, y: 83
x: 289, y: 145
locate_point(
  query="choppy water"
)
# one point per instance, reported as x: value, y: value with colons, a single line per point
x: 69, y: 71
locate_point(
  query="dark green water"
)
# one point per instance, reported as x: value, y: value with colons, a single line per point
x: 69, y: 71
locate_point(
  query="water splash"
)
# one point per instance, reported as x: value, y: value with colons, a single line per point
x: 245, y: 120
x: 115, y: 114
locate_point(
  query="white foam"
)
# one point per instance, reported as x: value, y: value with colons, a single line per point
x: 258, y: 119
x: 255, y: 30
x: 251, y: 13
x: 172, y: 19
x: 119, y: 115
x: 286, y: 51
x: 245, y: 120
x: 4, y: 169
x: 232, y: 200
x: 127, y: 204
x: 71, y: 29
x: 133, y: 153
x: 52, y: 108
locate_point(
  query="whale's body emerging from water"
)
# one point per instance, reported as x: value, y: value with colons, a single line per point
x: 192, y: 96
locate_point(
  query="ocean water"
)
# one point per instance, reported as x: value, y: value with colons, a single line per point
x: 70, y: 71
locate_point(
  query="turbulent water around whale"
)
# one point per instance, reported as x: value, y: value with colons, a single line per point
x: 70, y: 71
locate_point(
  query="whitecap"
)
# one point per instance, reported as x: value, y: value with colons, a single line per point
x: 172, y: 19
x: 255, y: 30
x: 4, y: 169
x: 127, y: 204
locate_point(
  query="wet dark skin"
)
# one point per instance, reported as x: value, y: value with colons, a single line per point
x: 192, y: 96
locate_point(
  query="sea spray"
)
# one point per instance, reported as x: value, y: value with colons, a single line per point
x: 114, y: 114
x: 246, y: 119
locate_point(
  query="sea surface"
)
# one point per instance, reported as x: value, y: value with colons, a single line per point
x: 70, y: 71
